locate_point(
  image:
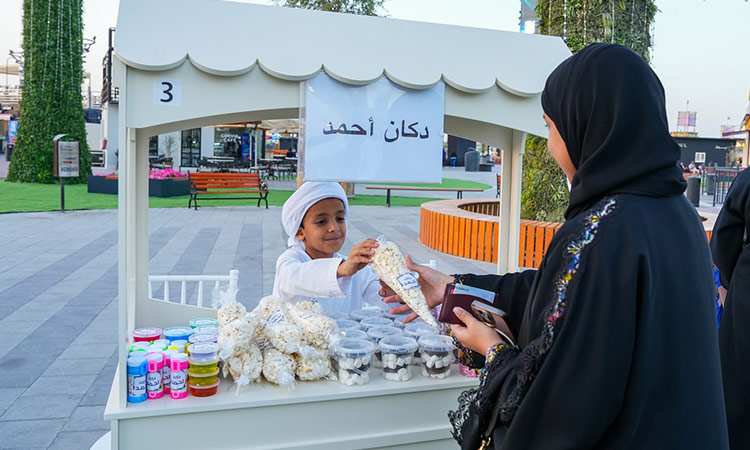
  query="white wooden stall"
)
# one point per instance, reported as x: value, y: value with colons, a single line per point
x: 220, y: 62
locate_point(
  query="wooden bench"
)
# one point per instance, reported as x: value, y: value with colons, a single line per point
x: 222, y: 186
x: 388, y: 189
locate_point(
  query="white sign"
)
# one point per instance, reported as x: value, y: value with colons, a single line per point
x: 380, y: 132
x: 700, y: 157
x: 68, y: 159
x: 167, y: 92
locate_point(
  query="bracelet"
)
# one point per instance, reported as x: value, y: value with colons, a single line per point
x: 493, y: 351
x: 458, y: 278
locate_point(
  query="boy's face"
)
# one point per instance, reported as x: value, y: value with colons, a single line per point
x: 323, y: 228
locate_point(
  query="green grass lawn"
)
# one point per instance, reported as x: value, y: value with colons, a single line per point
x: 31, y: 197
x: 447, y: 183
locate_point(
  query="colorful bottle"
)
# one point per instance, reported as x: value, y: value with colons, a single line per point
x: 137, y: 369
x: 179, y: 366
x: 166, y: 371
x: 154, y: 386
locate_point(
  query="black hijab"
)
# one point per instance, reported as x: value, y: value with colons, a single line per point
x: 609, y: 108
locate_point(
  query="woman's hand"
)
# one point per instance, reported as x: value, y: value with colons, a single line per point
x: 474, y: 334
x: 359, y: 257
x: 430, y: 280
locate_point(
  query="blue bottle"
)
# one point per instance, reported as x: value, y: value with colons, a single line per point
x: 137, y: 369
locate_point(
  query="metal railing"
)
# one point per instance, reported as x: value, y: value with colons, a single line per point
x: 715, y: 181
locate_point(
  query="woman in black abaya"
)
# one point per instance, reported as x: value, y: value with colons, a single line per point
x: 616, y: 330
x: 730, y: 246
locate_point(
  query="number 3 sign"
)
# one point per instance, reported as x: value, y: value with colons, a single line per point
x: 167, y: 92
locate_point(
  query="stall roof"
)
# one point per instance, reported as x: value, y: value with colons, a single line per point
x: 227, y: 38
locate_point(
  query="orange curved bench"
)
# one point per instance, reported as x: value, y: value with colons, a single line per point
x: 470, y: 229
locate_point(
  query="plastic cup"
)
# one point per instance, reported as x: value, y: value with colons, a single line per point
x: 199, y: 338
x: 397, y: 356
x: 203, y: 321
x: 346, y: 324
x: 376, y: 334
x: 354, y: 334
x: 203, y: 367
x: 180, y: 345
x: 204, y: 391
x: 372, y: 322
x: 354, y: 357
x: 146, y: 334
x: 203, y: 352
x: 436, y: 353
x: 416, y: 331
x: 338, y: 316
x: 178, y: 333
x: 202, y: 379
x: 206, y: 329
x: 364, y: 314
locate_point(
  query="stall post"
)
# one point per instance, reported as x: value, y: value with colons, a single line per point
x: 66, y: 162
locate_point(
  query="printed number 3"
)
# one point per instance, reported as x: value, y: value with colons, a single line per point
x: 167, y: 91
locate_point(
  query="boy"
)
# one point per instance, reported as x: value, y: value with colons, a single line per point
x: 314, y: 217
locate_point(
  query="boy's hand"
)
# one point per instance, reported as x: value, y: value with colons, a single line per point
x: 359, y: 257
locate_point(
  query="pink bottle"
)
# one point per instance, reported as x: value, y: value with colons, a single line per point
x: 179, y: 363
x: 154, y: 382
x: 166, y: 371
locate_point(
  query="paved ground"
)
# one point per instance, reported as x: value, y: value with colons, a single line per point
x: 58, y: 288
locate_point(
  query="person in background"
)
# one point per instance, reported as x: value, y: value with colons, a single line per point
x: 314, y: 218
x: 614, y: 349
x: 730, y: 246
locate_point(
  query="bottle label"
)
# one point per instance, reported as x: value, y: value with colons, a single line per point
x: 408, y: 281
x: 136, y: 385
x: 153, y: 382
x: 166, y: 374
x: 178, y: 380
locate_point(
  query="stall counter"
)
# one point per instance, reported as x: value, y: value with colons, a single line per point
x: 315, y: 415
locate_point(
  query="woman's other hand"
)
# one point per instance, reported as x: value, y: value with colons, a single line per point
x: 474, y: 334
x: 430, y: 280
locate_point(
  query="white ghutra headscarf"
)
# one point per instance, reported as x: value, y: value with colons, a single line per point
x: 308, y: 194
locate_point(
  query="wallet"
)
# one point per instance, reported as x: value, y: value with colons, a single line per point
x: 462, y: 296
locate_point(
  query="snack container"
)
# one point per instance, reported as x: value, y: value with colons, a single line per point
x: 437, y: 354
x: 372, y: 322
x: 378, y: 333
x: 203, y: 367
x: 206, y: 329
x: 199, y: 338
x: 146, y: 334
x: 346, y: 324
x: 354, y: 334
x: 202, y: 322
x: 416, y: 331
x: 178, y: 382
x: 141, y: 347
x: 162, y: 343
x: 397, y: 357
x: 361, y: 314
x: 202, y: 379
x: 178, y: 333
x: 180, y: 345
x: 204, y: 391
x: 153, y: 348
x: 354, y: 357
x: 338, y: 316
x: 137, y: 369
x: 203, y: 352
x: 154, y: 380
x: 388, y: 315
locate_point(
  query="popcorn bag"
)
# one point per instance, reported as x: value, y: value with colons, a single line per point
x: 279, y: 368
x: 317, y: 329
x: 389, y: 264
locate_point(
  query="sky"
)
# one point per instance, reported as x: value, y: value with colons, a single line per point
x: 699, y: 50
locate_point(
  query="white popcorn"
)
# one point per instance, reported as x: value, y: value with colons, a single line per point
x: 236, y: 336
x: 284, y: 336
x: 278, y: 368
x: 317, y: 329
x: 245, y: 367
x: 268, y: 306
x: 388, y: 263
x: 311, y: 305
x: 316, y: 364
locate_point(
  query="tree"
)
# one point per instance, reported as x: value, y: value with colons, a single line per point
x: 51, y: 103
x: 579, y: 23
x: 361, y: 7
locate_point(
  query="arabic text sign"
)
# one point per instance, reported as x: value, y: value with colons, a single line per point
x: 381, y: 132
x: 68, y: 159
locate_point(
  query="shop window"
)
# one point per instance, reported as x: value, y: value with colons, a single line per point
x: 190, y: 147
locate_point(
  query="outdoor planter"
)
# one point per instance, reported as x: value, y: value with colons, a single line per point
x: 168, y: 187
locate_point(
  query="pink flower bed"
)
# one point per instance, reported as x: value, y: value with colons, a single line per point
x: 163, y: 174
